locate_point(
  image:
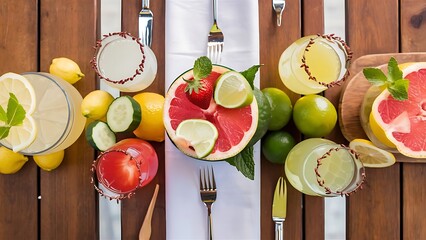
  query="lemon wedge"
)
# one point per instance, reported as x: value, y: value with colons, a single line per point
x: 200, y: 134
x: 233, y: 90
x: 370, y: 155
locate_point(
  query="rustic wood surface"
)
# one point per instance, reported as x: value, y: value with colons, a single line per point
x: 391, y: 205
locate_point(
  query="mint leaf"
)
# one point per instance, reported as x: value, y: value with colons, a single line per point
x: 250, y: 74
x: 202, y: 67
x: 393, y: 70
x: 375, y: 76
x: 244, y: 162
x: 3, y: 116
x: 4, y: 131
x: 15, y: 111
x: 399, y: 89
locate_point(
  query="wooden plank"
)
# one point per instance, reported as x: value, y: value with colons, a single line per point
x: 313, y: 23
x: 413, y: 26
x: 69, y: 202
x: 18, y: 53
x: 134, y: 210
x: 369, y: 32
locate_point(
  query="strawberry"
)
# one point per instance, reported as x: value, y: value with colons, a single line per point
x: 200, y: 92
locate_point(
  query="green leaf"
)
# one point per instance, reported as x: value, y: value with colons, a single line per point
x: 399, y: 89
x: 250, y: 74
x: 15, y: 111
x: 393, y: 70
x: 375, y: 76
x: 4, y: 131
x: 202, y: 67
x: 244, y: 162
x: 3, y: 115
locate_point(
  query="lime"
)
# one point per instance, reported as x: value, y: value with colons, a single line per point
x: 11, y: 162
x: 199, y: 134
x: 232, y: 90
x: 66, y: 69
x: 370, y: 155
x: 95, y: 104
x: 314, y: 115
x: 276, y: 145
x: 264, y: 116
x: 281, y: 107
x: 50, y: 161
x: 151, y: 127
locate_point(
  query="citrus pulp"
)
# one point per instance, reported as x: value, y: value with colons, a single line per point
x: 232, y: 90
x: 370, y: 155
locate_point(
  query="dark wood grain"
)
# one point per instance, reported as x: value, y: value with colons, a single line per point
x: 69, y: 202
x: 374, y: 212
x: 18, y: 53
x: 134, y: 210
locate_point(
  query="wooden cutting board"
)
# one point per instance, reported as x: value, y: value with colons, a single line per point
x: 354, y: 89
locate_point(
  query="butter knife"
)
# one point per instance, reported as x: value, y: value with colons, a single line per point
x: 145, y: 24
x: 279, y: 207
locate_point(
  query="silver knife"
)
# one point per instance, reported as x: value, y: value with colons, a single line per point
x: 145, y: 24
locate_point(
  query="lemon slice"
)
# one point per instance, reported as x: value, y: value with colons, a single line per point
x: 199, y: 134
x: 23, y: 135
x: 370, y: 155
x: 233, y: 90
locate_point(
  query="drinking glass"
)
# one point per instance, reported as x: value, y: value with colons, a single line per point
x: 314, y: 63
x: 57, y: 115
x: 320, y: 167
x: 123, y: 62
x: 126, y: 166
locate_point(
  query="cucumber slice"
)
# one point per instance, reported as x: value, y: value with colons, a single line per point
x: 124, y: 114
x: 100, y: 136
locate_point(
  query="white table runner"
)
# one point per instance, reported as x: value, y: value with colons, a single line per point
x: 236, y: 212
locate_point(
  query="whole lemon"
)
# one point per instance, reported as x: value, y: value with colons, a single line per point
x: 49, y: 161
x: 151, y: 127
x: 314, y: 115
x: 281, y: 107
x: 95, y: 104
x: 11, y: 162
x: 66, y: 69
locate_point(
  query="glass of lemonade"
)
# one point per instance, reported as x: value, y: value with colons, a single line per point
x: 314, y: 63
x: 320, y: 167
x: 123, y: 62
x: 57, y: 115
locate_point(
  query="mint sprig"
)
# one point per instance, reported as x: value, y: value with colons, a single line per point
x: 14, y: 116
x: 394, y: 81
x: 250, y: 74
x: 244, y: 162
x: 202, y: 67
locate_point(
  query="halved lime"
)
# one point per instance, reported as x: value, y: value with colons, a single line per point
x: 233, y: 90
x: 199, y: 134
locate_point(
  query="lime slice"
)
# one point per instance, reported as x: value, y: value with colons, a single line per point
x: 233, y: 90
x: 370, y: 155
x: 199, y: 134
x: 23, y: 135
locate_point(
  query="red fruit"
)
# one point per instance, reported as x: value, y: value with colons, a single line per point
x: 200, y: 92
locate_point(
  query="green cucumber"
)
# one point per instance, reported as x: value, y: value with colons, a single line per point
x: 124, y: 114
x: 100, y: 136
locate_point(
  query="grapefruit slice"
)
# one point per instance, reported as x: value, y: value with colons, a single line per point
x: 404, y: 122
x: 235, y: 126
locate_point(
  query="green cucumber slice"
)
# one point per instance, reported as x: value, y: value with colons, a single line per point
x: 124, y: 114
x: 100, y: 136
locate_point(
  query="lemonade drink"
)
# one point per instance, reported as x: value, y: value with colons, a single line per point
x: 340, y: 170
x: 57, y: 115
x: 326, y: 60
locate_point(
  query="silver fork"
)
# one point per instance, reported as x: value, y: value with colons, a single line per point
x: 215, y: 39
x: 208, y: 194
x: 278, y: 6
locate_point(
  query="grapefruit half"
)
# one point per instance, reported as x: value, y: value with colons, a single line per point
x: 404, y: 122
x: 235, y: 126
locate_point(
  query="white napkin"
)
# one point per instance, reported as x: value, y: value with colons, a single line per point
x: 236, y: 212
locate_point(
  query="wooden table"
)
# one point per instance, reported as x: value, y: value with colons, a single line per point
x: 391, y: 205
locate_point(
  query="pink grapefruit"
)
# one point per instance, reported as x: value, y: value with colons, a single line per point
x: 404, y: 122
x: 235, y: 126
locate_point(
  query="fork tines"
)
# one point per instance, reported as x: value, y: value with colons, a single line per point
x: 207, y: 181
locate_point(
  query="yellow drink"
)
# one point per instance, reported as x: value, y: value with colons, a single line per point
x: 57, y: 114
x: 326, y: 60
x: 340, y: 171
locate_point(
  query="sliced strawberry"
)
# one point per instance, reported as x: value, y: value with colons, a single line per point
x: 200, y: 92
